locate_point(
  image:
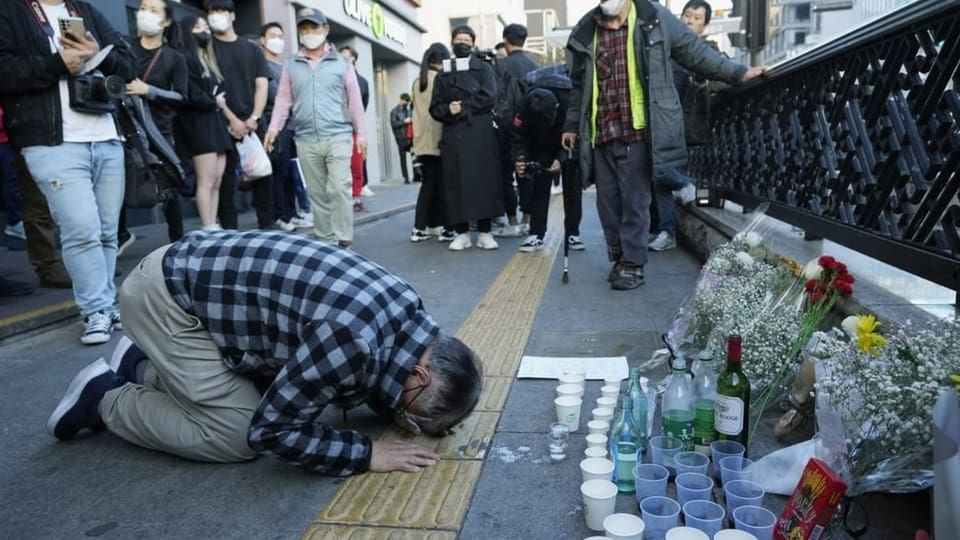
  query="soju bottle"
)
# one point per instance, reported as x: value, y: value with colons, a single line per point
x: 704, y: 394
x: 678, y: 405
x: 625, y: 442
x: 732, y: 418
x: 639, y: 400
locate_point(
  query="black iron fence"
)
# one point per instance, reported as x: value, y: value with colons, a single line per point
x: 857, y: 141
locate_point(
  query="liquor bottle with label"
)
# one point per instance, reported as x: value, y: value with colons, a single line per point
x: 678, y: 405
x: 639, y: 401
x: 625, y: 440
x: 732, y: 417
x: 704, y: 396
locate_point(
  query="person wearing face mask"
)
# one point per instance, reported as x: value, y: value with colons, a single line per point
x: 463, y: 99
x: 320, y: 96
x: 245, y: 84
x: 162, y: 81
x: 625, y: 115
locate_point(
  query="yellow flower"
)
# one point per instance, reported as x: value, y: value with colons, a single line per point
x: 868, y: 340
x: 956, y: 379
x: 793, y: 265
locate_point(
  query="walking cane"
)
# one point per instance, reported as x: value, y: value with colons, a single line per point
x: 565, y: 278
x: 566, y: 262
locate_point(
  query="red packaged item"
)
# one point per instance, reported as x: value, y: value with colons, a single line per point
x: 811, y: 507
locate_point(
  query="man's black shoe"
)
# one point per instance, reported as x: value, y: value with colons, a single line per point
x: 79, y: 407
x: 614, y: 272
x: 56, y: 277
x: 8, y: 287
x: 630, y: 277
x: 126, y: 359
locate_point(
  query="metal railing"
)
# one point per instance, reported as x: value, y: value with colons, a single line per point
x: 856, y: 141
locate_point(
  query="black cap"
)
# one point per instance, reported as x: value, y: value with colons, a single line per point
x: 311, y: 15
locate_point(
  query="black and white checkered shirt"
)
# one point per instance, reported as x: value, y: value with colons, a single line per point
x: 324, y: 324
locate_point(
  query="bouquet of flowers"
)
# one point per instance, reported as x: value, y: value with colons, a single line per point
x: 875, y: 397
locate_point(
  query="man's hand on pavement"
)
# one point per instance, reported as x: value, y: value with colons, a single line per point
x: 753, y: 73
x: 387, y: 456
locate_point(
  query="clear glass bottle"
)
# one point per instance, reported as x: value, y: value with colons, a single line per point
x: 704, y: 396
x: 625, y: 441
x: 638, y: 399
x: 651, y: 394
x: 677, y: 417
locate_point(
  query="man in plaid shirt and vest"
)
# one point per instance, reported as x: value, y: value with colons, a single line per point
x: 311, y: 323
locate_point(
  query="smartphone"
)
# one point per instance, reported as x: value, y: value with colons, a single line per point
x: 73, y: 25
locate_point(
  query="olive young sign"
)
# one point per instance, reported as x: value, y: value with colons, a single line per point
x: 372, y: 15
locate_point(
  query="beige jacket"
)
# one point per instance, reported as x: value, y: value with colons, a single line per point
x: 426, y: 130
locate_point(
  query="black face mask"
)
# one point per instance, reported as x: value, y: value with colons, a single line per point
x: 203, y: 38
x: 462, y: 50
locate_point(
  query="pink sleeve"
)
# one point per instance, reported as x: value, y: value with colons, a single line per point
x: 282, y: 103
x: 355, y: 103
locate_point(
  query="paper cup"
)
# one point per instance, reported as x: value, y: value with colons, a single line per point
x: 596, y: 441
x: 606, y: 402
x: 686, y: 533
x: 571, y: 379
x: 599, y: 500
x: 576, y: 372
x: 568, y: 411
x: 595, y: 452
x: 623, y: 527
x: 603, y: 413
x: 598, y: 427
x: 610, y: 391
x: 596, y: 469
x: 574, y: 390
x: 731, y: 534
x: 613, y: 381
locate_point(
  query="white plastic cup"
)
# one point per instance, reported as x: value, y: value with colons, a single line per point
x: 624, y: 527
x: 568, y: 411
x: 570, y: 390
x: 599, y: 500
x: 596, y: 441
x: 598, y: 427
x: 606, y: 403
x: 603, y: 413
x: 610, y: 391
x: 686, y: 533
x: 596, y: 469
x: 576, y: 372
x: 733, y: 534
x: 595, y: 452
x: 571, y: 379
x: 612, y: 381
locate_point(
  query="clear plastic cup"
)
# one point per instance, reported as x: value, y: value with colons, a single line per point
x: 650, y: 480
x: 599, y: 427
x: 733, y: 534
x: 722, y: 449
x: 663, y: 448
x: 755, y: 520
x: 557, y: 441
x: 599, y: 500
x: 705, y: 516
x: 693, y: 487
x: 570, y: 390
x: 596, y: 469
x: 737, y: 468
x: 694, y: 462
x: 623, y: 527
x: 742, y: 493
x: 686, y: 533
x: 660, y: 514
x: 568, y: 411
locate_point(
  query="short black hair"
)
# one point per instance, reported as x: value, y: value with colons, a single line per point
x: 353, y: 52
x: 500, y: 45
x: 697, y: 4
x: 219, y: 5
x: 405, y: 96
x: 515, y: 34
x: 266, y: 28
x: 463, y: 29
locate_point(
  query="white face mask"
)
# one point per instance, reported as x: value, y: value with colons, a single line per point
x: 275, y: 45
x: 218, y: 22
x: 313, y: 41
x: 149, y: 24
x: 611, y: 8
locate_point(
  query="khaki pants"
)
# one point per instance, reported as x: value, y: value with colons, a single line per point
x: 326, y: 172
x: 190, y: 405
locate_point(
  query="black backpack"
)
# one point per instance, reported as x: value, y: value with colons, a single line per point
x: 510, y: 91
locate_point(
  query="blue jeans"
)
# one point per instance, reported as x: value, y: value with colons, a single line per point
x: 83, y: 184
x: 665, y: 182
x: 11, y: 191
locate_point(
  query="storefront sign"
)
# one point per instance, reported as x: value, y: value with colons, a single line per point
x: 373, y: 16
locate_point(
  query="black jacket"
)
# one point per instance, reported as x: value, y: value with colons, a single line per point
x: 539, y: 142
x: 30, y: 73
x: 397, y: 116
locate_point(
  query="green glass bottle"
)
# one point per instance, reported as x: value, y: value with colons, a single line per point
x: 732, y: 414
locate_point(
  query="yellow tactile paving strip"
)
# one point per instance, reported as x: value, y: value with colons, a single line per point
x: 433, y: 503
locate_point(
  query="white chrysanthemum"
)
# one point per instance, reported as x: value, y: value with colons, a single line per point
x: 744, y: 259
x: 813, y: 270
x: 849, y: 326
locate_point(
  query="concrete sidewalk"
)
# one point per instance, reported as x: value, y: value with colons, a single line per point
x: 49, y: 305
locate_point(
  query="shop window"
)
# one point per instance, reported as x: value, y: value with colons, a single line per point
x: 803, y: 12
x: 458, y: 21
x: 799, y: 38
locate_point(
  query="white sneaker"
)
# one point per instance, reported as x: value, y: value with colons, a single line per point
x: 434, y: 231
x: 531, y: 244
x: 300, y: 223
x: 16, y: 231
x: 461, y: 242
x: 485, y: 241
x: 367, y: 192
x: 446, y: 236
x: 509, y: 231
x: 574, y: 243
x: 284, y: 225
x: 523, y: 229
x: 686, y: 195
x: 663, y: 242
x: 97, y: 327
x: 419, y: 236
x: 306, y: 216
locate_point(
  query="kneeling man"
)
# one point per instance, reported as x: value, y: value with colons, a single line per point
x: 219, y: 314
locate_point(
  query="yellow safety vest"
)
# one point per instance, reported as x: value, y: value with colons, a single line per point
x: 637, y: 109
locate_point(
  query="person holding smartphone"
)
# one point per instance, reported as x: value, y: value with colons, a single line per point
x: 68, y: 138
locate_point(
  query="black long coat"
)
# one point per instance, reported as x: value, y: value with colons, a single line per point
x: 469, y: 151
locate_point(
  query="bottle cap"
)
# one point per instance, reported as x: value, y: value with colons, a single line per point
x: 679, y: 363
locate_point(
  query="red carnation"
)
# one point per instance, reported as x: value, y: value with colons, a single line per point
x: 842, y: 287
x: 816, y: 297
x: 811, y: 285
x: 847, y: 277
x: 840, y: 267
x: 826, y: 260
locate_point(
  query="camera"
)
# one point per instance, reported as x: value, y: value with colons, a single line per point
x: 532, y: 169
x: 95, y: 92
x: 487, y: 55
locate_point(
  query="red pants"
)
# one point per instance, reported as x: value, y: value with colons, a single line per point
x: 356, y: 169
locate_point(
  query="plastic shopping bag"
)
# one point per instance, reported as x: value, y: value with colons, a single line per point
x: 254, y: 160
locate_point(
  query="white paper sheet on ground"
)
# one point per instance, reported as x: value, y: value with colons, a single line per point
x: 551, y: 367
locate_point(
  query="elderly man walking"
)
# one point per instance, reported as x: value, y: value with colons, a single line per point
x: 221, y: 314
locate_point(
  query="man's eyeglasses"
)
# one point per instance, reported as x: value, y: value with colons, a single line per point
x: 402, y: 418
